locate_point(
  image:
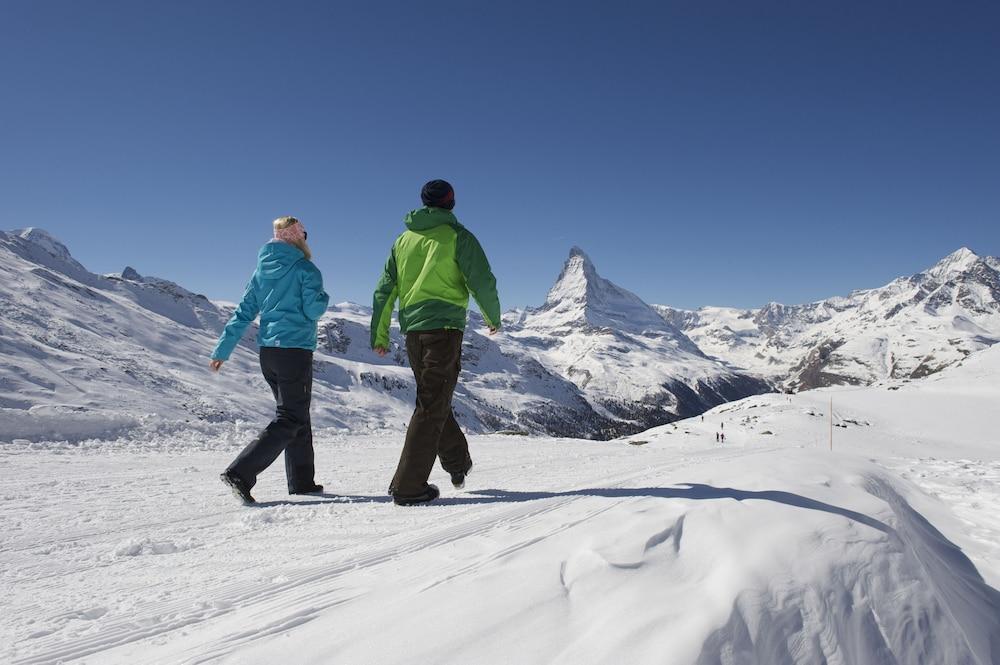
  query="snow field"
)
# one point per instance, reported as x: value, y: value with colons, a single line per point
x: 663, y: 547
x: 673, y: 550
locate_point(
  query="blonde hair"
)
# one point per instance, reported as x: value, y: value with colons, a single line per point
x: 284, y: 223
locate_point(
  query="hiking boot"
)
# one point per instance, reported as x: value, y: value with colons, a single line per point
x: 458, y: 479
x: 239, y: 487
x: 311, y: 489
x: 430, y: 493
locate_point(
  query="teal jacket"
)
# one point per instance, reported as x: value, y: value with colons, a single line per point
x: 287, y: 291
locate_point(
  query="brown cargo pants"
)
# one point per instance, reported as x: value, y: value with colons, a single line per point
x: 436, y: 359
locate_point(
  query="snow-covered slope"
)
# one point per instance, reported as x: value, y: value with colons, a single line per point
x: 86, y: 354
x: 912, y: 327
x: 663, y: 547
x: 626, y: 359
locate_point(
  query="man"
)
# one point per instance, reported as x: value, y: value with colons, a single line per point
x: 433, y: 267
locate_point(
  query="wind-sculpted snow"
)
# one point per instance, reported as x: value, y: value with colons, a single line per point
x: 912, y: 327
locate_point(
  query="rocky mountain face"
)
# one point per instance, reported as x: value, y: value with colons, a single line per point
x: 84, y: 354
x: 633, y: 367
x: 912, y: 327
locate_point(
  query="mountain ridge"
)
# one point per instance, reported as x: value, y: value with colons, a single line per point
x: 911, y: 327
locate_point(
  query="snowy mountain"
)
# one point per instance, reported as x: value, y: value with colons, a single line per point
x: 629, y: 363
x: 910, y: 328
x: 86, y: 355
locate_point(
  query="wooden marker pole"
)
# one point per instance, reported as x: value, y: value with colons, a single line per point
x: 831, y: 424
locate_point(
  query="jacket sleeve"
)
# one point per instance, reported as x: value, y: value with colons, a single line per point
x: 478, y: 276
x: 244, y: 315
x: 314, y: 299
x: 383, y: 303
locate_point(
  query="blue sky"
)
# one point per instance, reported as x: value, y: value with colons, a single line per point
x: 725, y: 153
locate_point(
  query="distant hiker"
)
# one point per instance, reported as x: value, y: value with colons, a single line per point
x: 433, y: 267
x: 703, y: 419
x: 286, y: 290
x: 716, y: 437
x: 722, y: 437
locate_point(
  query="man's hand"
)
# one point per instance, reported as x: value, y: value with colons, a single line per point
x: 381, y: 350
x: 216, y: 365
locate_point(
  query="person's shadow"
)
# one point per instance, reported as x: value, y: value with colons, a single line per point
x: 690, y: 491
x: 324, y: 498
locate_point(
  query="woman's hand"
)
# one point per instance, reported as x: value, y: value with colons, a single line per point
x: 381, y: 350
x: 216, y: 365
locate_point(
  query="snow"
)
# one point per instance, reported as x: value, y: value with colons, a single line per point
x: 783, y: 546
x: 662, y: 547
x: 911, y: 327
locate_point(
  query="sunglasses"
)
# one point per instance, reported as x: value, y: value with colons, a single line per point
x: 305, y: 235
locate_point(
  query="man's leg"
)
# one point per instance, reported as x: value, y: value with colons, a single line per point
x: 289, y: 372
x: 434, y: 357
x: 453, y: 447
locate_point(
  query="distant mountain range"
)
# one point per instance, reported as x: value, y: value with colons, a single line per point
x: 88, y: 355
x: 907, y: 329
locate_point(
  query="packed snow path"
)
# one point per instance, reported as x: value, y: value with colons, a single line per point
x: 663, y: 548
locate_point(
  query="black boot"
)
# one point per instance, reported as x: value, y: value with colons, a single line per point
x: 429, y: 494
x: 458, y: 479
x: 311, y: 489
x: 240, y: 489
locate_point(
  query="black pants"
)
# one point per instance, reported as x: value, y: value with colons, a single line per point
x: 436, y: 359
x: 289, y: 373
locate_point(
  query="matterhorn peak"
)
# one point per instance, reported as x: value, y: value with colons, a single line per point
x: 577, y: 278
x: 581, y: 296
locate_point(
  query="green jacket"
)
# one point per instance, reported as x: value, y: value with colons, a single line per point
x: 433, y: 267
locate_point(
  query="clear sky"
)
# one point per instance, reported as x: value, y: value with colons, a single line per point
x: 727, y: 153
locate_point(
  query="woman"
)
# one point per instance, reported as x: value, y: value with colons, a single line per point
x: 287, y: 291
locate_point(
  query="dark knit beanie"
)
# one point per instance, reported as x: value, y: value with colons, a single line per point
x: 438, y: 194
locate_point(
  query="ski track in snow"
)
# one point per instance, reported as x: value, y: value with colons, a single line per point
x: 64, y: 627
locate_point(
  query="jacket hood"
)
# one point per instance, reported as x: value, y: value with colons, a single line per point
x: 429, y: 217
x: 276, y: 258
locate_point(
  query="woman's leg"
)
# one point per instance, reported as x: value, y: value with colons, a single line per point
x: 289, y: 373
x: 300, y: 469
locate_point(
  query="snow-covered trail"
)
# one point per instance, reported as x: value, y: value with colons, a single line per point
x: 665, y: 548
x: 86, y: 533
